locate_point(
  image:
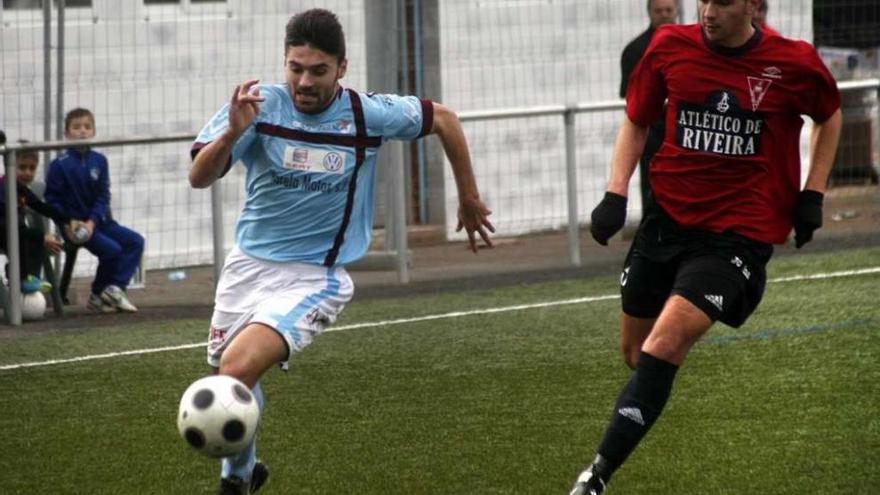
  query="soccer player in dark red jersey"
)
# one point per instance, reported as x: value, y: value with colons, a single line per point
x: 727, y: 185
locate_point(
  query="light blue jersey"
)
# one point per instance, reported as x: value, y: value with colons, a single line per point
x: 310, y: 178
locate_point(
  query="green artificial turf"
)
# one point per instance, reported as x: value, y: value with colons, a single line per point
x: 509, y: 402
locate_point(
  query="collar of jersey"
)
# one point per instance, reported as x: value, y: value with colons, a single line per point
x: 736, y: 50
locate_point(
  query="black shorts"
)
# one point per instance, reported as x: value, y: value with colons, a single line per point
x: 722, y: 274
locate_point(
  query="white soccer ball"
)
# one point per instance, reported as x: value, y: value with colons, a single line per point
x: 218, y: 416
x: 80, y: 235
x: 33, y: 306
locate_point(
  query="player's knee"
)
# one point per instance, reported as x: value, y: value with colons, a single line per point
x: 671, y: 346
x: 241, y: 367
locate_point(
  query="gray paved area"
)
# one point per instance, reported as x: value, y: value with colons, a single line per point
x: 852, y: 220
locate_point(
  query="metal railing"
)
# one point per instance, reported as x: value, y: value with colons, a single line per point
x: 567, y: 112
x: 399, y: 258
x: 9, y: 152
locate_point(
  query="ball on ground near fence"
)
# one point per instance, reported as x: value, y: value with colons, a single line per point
x: 33, y: 306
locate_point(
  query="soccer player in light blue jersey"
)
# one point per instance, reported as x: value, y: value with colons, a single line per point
x: 309, y: 147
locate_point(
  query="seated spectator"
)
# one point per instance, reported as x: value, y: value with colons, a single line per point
x: 33, y: 240
x: 79, y: 185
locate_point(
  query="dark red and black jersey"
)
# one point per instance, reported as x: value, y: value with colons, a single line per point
x: 730, y: 159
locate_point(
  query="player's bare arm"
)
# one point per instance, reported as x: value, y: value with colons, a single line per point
x: 808, y: 210
x: 823, y: 146
x: 472, y: 212
x: 628, y: 149
x: 609, y: 215
x: 209, y: 163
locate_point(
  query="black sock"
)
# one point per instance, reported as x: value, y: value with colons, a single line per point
x: 638, y: 407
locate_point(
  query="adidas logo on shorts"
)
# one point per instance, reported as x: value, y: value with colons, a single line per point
x: 717, y: 301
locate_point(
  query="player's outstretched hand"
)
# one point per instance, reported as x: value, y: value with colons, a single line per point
x: 244, y: 106
x: 608, y: 217
x: 473, y: 217
x: 807, y: 216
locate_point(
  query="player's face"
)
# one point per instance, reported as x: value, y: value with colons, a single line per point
x: 728, y: 22
x: 26, y: 169
x: 80, y: 128
x: 663, y: 12
x: 312, y: 77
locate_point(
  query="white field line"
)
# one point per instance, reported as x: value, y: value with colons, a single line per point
x: 400, y: 321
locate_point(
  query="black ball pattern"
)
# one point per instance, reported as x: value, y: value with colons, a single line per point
x: 242, y: 394
x: 195, y: 437
x: 203, y: 399
x: 233, y: 430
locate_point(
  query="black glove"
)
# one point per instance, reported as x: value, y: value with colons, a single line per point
x: 608, y: 217
x: 807, y: 216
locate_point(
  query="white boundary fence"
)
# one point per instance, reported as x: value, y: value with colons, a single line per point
x: 398, y: 255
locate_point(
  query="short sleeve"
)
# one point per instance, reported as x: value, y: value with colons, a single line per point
x: 825, y: 98
x: 646, y: 91
x: 215, y: 127
x: 401, y: 117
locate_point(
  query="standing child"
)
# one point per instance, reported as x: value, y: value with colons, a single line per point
x: 79, y: 185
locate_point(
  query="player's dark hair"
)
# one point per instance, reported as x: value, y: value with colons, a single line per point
x: 77, y: 113
x: 319, y: 28
x: 763, y: 7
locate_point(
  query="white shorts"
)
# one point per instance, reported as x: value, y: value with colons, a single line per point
x: 298, y: 300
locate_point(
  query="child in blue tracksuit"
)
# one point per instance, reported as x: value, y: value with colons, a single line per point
x: 79, y: 185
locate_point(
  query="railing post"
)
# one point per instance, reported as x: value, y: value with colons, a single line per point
x: 398, y: 206
x: 12, y: 253
x: 59, y: 92
x: 217, y: 230
x: 574, y: 246
x: 47, y: 74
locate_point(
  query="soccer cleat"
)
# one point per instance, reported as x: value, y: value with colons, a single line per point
x: 259, y: 476
x: 232, y: 486
x: 237, y: 486
x: 588, y: 483
x: 35, y: 284
x: 97, y: 304
x: 117, y: 298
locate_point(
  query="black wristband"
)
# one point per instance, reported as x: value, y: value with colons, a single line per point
x: 812, y: 197
x: 614, y: 199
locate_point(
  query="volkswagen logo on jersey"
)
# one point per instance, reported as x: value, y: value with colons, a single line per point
x: 719, y: 126
x: 333, y: 161
x: 314, y: 160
